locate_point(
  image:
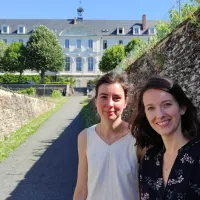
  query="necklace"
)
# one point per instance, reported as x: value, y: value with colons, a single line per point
x: 119, y: 135
x: 166, y: 169
x: 170, y: 165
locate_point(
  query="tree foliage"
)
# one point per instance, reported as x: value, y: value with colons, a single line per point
x: 44, y: 52
x: 111, y: 58
x: 131, y: 45
x: 3, y: 47
x: 14, y: 59
x: 164, y: 28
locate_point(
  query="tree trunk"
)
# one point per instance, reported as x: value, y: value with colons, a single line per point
x: 42, y: 77
x: 20, y: 77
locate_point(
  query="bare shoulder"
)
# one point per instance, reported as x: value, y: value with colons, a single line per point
x: 82, y: 137
x: 83, y: 133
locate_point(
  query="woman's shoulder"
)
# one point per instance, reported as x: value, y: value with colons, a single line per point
x: 83, y: 135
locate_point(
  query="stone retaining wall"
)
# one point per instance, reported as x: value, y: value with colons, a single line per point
x: 17, y: 109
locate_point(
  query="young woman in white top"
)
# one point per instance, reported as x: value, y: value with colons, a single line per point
x: 108, y: 165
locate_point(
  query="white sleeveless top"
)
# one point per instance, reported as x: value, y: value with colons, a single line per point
x: 112, y: 169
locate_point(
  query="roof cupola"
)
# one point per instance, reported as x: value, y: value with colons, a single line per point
x: 80, y: 12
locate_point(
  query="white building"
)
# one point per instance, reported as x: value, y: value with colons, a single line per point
x: 83, y: 41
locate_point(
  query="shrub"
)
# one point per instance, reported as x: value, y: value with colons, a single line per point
x: 13, y: 78
x: 29, y: 91
x: 56, y: 94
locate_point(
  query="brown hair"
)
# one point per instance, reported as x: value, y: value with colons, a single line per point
x: 145, y: 135
x: 113, y: 77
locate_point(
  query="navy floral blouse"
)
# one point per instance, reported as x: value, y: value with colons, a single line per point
x: 184, y: 179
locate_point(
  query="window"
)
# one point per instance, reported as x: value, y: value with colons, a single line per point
x: 20, y: 30
x: 90, y: 44
x: 120, y: 31
x: 90, y: 64
x: 121, y: 42
x: 5, y: 40
x: 67, y: 44
x: 78, y: 64
x: 151, y: 30
x: 20, y: 40
x: 105, y: 44
x: 78, y: 45
x: 5, y: 29
x: 67, y: 65
x: 136, y: 30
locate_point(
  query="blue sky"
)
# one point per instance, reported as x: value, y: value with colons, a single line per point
x: 93, y: 9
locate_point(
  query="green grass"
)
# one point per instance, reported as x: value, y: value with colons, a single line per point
x: 18, y: 137
x: 88, y: 114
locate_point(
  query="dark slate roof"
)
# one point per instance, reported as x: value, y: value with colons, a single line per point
x: 58, y: 25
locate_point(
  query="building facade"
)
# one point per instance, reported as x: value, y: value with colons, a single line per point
x: 83, y: 41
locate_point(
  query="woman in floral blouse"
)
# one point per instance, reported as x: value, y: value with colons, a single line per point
x: 167, y: 122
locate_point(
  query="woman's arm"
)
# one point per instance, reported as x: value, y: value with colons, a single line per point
x: 80, y: 192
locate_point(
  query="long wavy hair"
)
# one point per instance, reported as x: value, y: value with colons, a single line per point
x: 145, y: 135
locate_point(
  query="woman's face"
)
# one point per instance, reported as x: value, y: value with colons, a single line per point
x: 110, y: 101
x: 162, y: 112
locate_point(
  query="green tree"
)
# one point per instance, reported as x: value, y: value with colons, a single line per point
x: 14, y: 59
x: 44, y: 52
x: 131, y: 45
x: 164, y: 28
x: 3, y: 47
x: 111, y: 58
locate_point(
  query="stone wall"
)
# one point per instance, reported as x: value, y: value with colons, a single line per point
x: 16, y: 110
x: 177, y: 57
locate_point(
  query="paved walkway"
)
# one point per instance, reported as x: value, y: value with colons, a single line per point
x: 45, y: 166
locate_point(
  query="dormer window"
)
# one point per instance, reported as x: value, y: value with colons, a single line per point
x: 105, y: 30
x: 136, y: 30
x: 120, y: 31
x: 5, y: 29
x: 21, y: 30
x: 152, y: 30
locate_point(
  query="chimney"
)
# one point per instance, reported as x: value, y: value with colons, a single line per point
x: 74, y: 20
x: 144, y: 22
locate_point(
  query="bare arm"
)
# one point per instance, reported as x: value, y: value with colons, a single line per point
x: 80, y: 192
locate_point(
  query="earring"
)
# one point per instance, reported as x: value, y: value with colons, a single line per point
x: 182, y: 112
